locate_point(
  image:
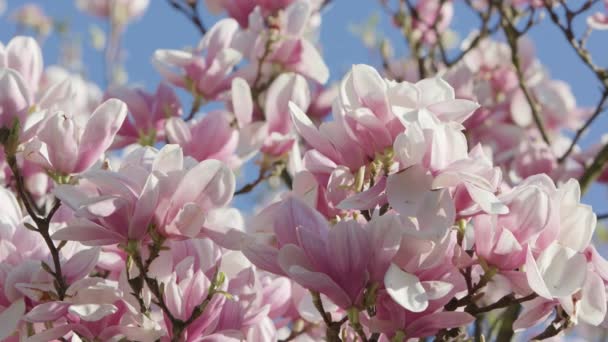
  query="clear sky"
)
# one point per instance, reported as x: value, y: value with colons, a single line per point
x: 163, y: 27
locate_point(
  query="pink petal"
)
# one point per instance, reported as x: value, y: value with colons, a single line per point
x: 99, y: 132
x: 242, y: 101
x: 88, y: 233
x: 10, y: 318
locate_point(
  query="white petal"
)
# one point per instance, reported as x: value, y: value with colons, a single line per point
x: 405, y: 289
x: 92, y: 312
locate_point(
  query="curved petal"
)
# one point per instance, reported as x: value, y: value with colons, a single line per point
x: 99, y: 132
x: 405, y: 289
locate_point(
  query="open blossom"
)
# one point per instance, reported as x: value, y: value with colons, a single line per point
x: 172, y: 195
x: 205, y: 76
x: 241, y: 10
x: 286, y: 38
x: 330, y: 261
x: 505, y: 121
x: 148, y: 113
x: 430, y: 205
x: 371, y: 112
x: 215, y: 125
x: 65, y: 147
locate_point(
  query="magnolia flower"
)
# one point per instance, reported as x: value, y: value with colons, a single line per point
x: 148, y: 113
x: 223, y: 139
x: 15, y: 98
x: 63, y: 146
x: 206, y: 76
x: 289, y: 46
x: 23, y: 54
x: 240, y: 10
x: 63, y: 89
x: 330, y: 261
x: 173, y: 198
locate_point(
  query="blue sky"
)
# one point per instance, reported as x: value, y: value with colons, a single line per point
x: 163, y: 27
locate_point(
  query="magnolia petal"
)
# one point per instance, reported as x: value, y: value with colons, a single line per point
x: 10, y: 317
x: 405, y: 289
x: 242, y: 102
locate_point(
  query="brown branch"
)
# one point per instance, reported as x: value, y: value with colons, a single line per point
x: 512, y: 34
x: 196, y: 105
x: 353, y: 318
x: 332, y: 328
x: 558, y: 325
x: 579, y: 133
x: 577, y: 44
x: 593, y: 171
x: 297, y: 331
x: 483, y: 32
x: 42, y: 224
x: 190, y: 10
x: 250, y: 186
x: 178, y: 325
x: 503, y: 302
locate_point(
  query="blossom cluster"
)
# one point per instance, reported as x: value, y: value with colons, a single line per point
x: 413, y: 204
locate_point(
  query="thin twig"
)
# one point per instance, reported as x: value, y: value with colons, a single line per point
x: 579, y: 133
x: 333, y: 328
x: 504, y: 302
x: 42, y: 225
x: 483, y: 32
x: 593, y: 171
x: 512, y: 34
x: 568, y: 32
x: 196, y: 105
x: 190, y: 10
x: 250, y: 186
x: 557, y: 326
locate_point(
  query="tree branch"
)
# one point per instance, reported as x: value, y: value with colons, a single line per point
x: 579, y: 133
x: 190, y: 10
x: 512, y: 34
x: 42, y: 224
x: 593, y: 171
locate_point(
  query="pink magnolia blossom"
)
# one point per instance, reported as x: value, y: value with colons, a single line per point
x: 223, y: 139
x: 148, y: 113
x: 430, y: 14
x: 421, y: 206
x: 288, y: 43
x: 59, y: 87
x: 15, y: 97
x: 65, y: 147
x: 330, y: 261
x: 241, y: 10
x: 23, y: 54
x: 171, y: 194
x: 205, y: 76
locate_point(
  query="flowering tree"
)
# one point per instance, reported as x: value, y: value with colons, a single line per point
x: 440, y: 199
